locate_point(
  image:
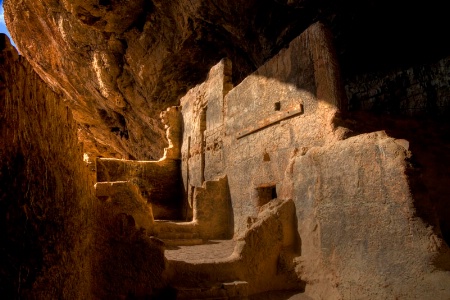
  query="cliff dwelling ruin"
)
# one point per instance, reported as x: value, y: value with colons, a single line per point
x: 157, y: 150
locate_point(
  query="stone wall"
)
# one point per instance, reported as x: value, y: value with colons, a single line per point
x: 418, y: 91
x: 212, y: 211
x: 203, y: 127
x: 250, y: 131
x: 287, y: 104
x: 362, y: 234
x: 412, y: 104
x: 46, y: 195
x: 57, y: 241
x: 158, y: 181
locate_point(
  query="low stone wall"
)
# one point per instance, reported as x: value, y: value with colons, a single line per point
x: 262, y: 257
x: 212, y: 210
x: 158, y: 181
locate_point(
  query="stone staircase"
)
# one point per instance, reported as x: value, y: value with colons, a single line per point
x: 259, y: 259
x: 124, y: 197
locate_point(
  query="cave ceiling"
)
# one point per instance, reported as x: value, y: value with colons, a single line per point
x: 119, y: 63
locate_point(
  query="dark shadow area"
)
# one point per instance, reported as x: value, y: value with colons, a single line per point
x: 210, y: 242
x: 280, y: 295
x: 168, y: 293
x: 22, y: 248
x: 368, y: 36
x: 297, y: 238
x: 382, y: 35
x: 265, y: 194
x: 230, y: 210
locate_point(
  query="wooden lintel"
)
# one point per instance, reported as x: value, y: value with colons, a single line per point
x: 276, y: 118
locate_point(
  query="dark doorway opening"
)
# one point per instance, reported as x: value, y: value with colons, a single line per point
x: 265, y: 194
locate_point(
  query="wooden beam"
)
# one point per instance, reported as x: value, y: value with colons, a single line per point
x: 275, y: 118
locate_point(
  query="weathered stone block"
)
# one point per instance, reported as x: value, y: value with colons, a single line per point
x: 357, y: 222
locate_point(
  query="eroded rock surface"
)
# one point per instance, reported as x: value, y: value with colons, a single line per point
x: 120, y: 63
x: 46, y: 199
x: 57, y: 240
x: 359, y: 226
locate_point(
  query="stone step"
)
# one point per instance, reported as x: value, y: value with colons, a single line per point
x: 108, y: 188
x: 182, y: 242
x: 177, y: 235
x: 174, y: 226
x: 228, y: 290
x: 283, y: 294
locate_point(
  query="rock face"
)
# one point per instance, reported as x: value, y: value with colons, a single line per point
x: 57, y: 240
x: 46, y: 197
x: 120, y: 63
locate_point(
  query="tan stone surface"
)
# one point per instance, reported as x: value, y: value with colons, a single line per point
x: 213, y: 213
x: 358, y: 225
x: 123, y: 197
x: 46, y: 196
x: 211, y: 250
x: 202, y: 109
x: 172, y: 120
x: 296, y: 80
x: 158, y: 182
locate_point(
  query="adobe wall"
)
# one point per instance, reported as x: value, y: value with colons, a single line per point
x: 286, y: 106
x: 360, y: 231
x: 249, y: 132
x: 158, y: 181
x: 203, y: 129
x: 357, y: 219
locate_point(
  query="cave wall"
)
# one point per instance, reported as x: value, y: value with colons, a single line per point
x: 120, y: 63
x: 118, y: 73
x: 46, y: 195
x: 57, y: 240
x: 422, y: 90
